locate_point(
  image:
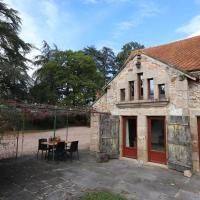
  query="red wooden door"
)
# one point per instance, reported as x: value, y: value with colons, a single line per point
x: 198, y: 120
x: 130, y: 137
x: 157, y: 140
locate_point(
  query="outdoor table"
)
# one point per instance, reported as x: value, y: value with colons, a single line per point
x: 52, y: 144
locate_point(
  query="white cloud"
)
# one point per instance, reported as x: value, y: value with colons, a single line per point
x: 37, y: 18
x: 197, y: 1
x: 41, y: 20
x: 47, y: 20
x: 192, y: 28
x: 51, y: 13
x: 30, y: 32
x: 126, y: 25
x: 146, y: 9
x: 107, y: 43
x: 90, y: 1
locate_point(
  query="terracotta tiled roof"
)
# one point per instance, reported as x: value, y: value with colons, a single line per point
x: 183, y: 54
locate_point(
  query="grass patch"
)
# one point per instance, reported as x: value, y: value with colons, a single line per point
x: 101, y: 196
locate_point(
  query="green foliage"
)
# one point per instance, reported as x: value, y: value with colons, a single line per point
x: 125, y: 52
x: 101, y: 196
x: 13, y: 62
x: 61, y: 122
x: 74, y: 78
x: 46, y: 54
x: 14, y: 81
x: 105, y: 62
x: 68, y: 78
x: 10, y: 119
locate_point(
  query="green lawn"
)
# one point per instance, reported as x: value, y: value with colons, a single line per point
x: 101, y: 196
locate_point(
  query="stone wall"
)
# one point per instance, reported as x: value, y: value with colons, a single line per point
x: 101, y: 104
x: 194, y: 111
x: 94, y: 137
x: 8, y: 145
x: 177, y: 93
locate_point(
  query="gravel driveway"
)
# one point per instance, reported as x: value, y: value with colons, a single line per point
x: 82, y: 134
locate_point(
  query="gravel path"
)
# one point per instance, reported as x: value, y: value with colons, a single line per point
x: 82, y: 134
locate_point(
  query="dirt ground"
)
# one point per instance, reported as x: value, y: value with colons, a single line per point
x: 82, y: 134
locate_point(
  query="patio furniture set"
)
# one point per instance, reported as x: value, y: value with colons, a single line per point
x: 57, y: 149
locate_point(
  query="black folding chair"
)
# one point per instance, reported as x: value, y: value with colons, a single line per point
x: 73, y: 148
x: 42, y: 147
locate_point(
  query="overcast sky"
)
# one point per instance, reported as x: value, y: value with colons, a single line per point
x: 75, y: 24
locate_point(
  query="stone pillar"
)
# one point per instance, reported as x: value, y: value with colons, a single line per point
x: 121, y: 137
x: 142, y: 152
x: 195, y: 143
x: 156, y: 91
x: 94, y: 135
x: 145, y: 89
x: 136, y: 95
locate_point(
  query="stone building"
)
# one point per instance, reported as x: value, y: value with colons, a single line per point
x: 156, y: 98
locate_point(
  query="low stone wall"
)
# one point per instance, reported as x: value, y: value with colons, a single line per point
x: 8, y: 145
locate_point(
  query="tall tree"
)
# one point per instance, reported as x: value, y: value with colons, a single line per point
x: 69, y: 78
x: 13, y: 50
x: 105, y: 61
x: 47, y: 53
x: 45, y: 89
x: 126, y: 51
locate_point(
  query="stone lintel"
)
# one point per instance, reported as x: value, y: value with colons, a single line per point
x: 143, y: 103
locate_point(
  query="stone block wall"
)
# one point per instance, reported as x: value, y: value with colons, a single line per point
x: 101, y: 104
x: 94, y: 137
x: 178, y: 92
x: 8, y: 145
x: 142, y: 152
x: 194, y: 112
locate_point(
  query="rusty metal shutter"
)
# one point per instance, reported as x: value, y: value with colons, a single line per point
x: 179, y: 143
x: 109, y: 135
